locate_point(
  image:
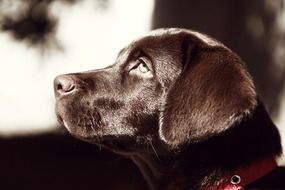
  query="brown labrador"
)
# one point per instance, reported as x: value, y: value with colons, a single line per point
x: 183, y: 107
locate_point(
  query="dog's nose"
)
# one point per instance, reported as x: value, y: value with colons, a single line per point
x: 63, y: 85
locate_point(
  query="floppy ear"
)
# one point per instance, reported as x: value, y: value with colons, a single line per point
x: 213, y: 93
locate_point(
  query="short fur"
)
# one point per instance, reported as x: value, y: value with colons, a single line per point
x: 186, y: 122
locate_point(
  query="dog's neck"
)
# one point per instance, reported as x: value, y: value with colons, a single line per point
x: 155, y: 173
x: 158, y: 176
x: 206, y: 163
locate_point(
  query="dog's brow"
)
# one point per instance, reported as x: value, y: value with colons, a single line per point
x: 136, y: 52
x: 121, y: 51
x: 126, y: 54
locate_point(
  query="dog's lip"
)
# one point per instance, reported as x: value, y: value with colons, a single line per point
x: 62, y: 122
x: 66, y: 126
x: 59, y: 119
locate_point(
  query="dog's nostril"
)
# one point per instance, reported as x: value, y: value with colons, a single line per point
x: 63, y: 85
x: 66, y: 88
x: 59, y: 87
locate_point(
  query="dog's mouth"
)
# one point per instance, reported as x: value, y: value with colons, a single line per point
x: 60, y: 120
x: 79, y: 121
x: 89, y: 134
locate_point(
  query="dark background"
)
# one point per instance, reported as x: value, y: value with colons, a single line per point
x: 247, y: 27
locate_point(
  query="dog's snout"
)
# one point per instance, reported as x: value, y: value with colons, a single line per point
x: 63, y: 85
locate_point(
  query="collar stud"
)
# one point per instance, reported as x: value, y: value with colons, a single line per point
x: 235, y: 179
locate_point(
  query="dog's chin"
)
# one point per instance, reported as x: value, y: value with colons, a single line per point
x: 89, y: 135
x: 121, y: 144
x: 85, y: 133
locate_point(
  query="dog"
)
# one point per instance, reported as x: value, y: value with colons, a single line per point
x: 183, y: 107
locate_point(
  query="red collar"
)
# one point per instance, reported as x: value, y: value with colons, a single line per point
x: 243, y: 176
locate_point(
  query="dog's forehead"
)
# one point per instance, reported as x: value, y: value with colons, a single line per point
x: 176, y: 31
x: 167, y: 32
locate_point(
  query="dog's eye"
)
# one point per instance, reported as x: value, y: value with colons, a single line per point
x: 141, y: 69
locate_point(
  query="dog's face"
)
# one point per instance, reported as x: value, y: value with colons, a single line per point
x: 173, y: 85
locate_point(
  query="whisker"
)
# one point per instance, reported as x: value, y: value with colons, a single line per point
x: 99, y: 142
x: 84, y: 126
x: 94, y: 130
x: 153, y: 149
x: 92, y: 123
x: 78, y: 121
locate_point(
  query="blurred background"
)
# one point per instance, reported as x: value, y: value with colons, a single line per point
x: 40, y: 39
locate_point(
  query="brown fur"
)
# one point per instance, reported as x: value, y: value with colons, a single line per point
x: 181, y: 105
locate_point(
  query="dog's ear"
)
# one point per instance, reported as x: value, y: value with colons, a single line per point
x: 213, y: 93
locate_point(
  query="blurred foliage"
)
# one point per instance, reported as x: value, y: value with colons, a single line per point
x: 30, y: 20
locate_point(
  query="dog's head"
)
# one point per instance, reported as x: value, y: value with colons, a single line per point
x: 173, y: 85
